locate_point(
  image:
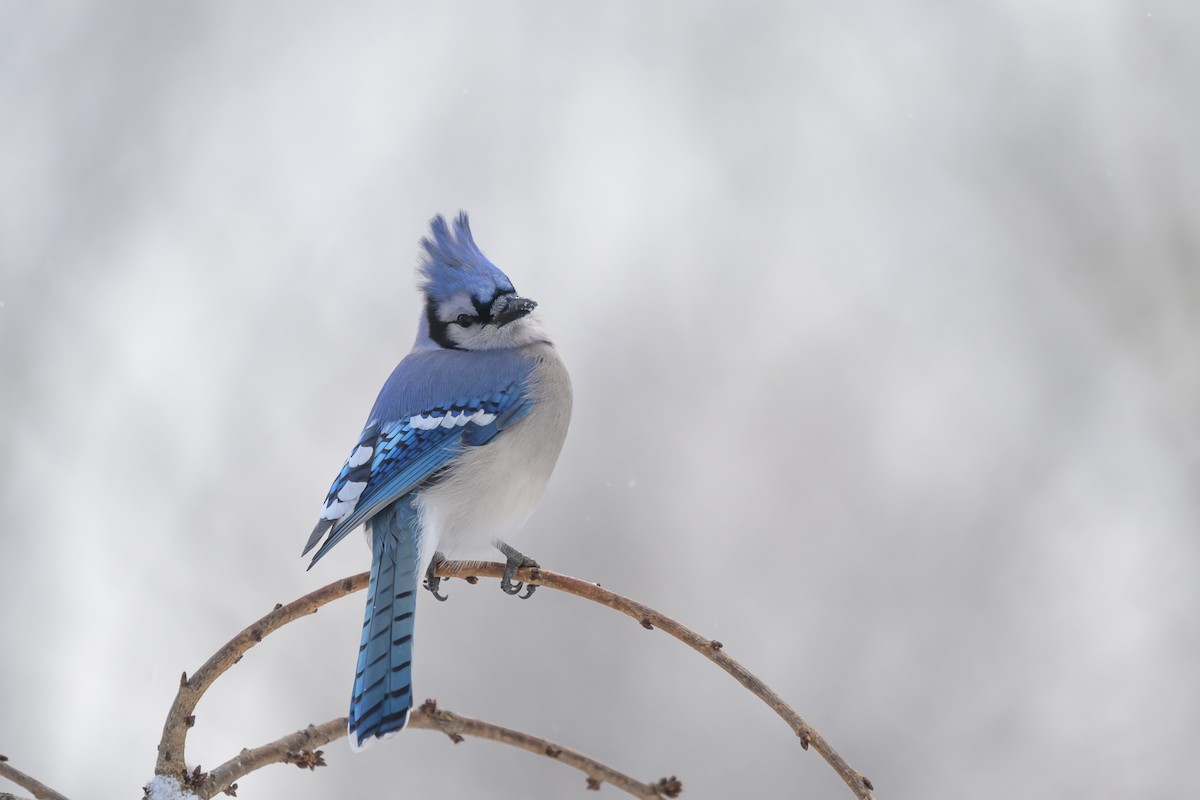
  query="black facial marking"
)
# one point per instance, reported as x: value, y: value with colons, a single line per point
x: 438, y: 330
x: 484, y: 307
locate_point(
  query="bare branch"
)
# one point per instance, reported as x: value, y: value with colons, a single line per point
x: 40, y: 790
x: 287, y: 748
x: 171, y: 762
x: 709, y: 648
x: 299, y: 748
x: 431, y: 717
x: 181, y: 717
x: 247, y: 761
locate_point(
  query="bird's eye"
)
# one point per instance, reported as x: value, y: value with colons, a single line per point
x: 465, y: 320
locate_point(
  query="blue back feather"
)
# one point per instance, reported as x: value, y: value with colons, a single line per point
x: 433, y: 384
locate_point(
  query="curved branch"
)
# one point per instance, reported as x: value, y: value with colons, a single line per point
x: 171, y: 762
x: 298, y: 748
x: 40, y: 790
x: 180, y: 717
x: 709, y: 648
x: 289, y: 748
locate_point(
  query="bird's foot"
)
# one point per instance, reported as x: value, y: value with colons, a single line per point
x: 432, y: 581
x: 515, y: 561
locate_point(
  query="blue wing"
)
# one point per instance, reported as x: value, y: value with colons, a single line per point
x: 434, y: 404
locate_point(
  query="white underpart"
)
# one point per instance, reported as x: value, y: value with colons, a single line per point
x: 491, y: 490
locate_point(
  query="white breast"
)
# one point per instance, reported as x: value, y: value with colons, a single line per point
x: 491, y: 490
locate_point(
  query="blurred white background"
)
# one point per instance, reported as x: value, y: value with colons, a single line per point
x: 883, y: 321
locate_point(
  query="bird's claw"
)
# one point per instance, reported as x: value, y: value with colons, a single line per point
x: 508, y: 587
x: 515, y: 561
x: 432, y: 581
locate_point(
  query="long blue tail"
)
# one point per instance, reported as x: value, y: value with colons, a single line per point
x: 383, y: 681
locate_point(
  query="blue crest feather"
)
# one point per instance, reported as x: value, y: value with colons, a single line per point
x: 452, y: 263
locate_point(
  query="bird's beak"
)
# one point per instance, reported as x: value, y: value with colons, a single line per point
x: 511, y: 308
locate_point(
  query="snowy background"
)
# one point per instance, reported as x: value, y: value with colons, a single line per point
x: 884, y: 323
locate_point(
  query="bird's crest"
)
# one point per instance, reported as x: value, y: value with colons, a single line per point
x: 452, y: 263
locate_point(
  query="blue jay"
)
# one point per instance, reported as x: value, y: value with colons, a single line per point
x: 455, y: 454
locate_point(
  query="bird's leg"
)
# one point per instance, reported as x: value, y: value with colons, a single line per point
x: 515, y: 561
x: 432, y: 581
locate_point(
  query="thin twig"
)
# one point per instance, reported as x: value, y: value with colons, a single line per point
x: 709, y: 648
x: 40, y: 790
x: 180, y: 718
x: 283, y: 749
x: 300, y: 748
x: 431, y: 717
